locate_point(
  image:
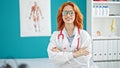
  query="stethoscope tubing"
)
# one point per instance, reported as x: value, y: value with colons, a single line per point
x: 78, y: 43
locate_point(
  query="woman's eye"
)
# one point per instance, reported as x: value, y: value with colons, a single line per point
x: 67, y: 12
x: 71, y: 12
x: 64, y: 13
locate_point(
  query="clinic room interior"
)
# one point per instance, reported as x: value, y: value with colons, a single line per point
x: 28, y: 25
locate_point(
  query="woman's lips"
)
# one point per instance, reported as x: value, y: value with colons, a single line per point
x: 68, y: 19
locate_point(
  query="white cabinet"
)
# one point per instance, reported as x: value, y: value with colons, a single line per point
x: 106, y: 53
x: 106, y: 50
x: 103, y: 19
x: 100, y: 50
x: 103, y: 24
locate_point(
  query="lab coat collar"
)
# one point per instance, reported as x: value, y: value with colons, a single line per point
x: 74, y: 42
x: 74, y: 33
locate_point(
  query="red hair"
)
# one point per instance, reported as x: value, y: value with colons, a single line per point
x: 78, y: 16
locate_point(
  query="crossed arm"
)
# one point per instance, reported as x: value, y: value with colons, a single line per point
x: 81, y: 52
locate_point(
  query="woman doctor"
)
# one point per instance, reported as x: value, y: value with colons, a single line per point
x: 70, y: 46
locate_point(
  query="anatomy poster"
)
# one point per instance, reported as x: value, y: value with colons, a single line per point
x: 35, y: 18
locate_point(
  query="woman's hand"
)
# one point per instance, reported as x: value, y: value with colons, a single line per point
x: 55, y: 49
x: 81, y: 52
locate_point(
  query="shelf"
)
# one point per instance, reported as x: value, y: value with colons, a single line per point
x: 106, y: 2
x: 106, y: 16
x: 106, y: 38
x: 101, y: 16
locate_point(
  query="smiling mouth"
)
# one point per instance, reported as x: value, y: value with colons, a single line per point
x: 68, y: 19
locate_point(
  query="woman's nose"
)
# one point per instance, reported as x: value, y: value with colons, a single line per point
x: 68, y: 14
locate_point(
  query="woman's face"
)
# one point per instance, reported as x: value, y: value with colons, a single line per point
x: 68, y: 14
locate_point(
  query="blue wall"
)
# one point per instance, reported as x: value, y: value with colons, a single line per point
x: 11, y: 44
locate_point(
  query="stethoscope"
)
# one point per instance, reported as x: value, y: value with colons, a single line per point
x: 61, y: 34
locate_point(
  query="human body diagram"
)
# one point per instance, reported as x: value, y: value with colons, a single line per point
x: 36, y: 16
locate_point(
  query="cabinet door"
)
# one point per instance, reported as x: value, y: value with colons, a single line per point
x: 118, y: 64
x: 114, y: 49
x: 97, y: 50
x: 113, y: 64
x: 99, y: 64
x: 100, y: 50
x: 104, y: 50
x: 109, y: 55
x: 105, y: 65
x: 118, y: 50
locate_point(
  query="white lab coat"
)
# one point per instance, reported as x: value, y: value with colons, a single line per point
x: 65, y: 59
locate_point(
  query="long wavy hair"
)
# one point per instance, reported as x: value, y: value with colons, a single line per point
x: 78, y: 16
